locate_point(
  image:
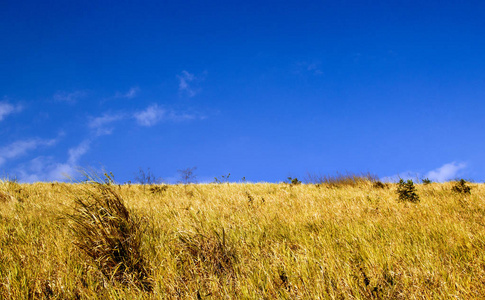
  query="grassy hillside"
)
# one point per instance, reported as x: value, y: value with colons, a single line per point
x: 244, y: 241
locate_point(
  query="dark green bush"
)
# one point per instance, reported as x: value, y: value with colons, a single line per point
x: 294, y: 181
x: 407, y: 191
x: 378, y: 185
x: 158, y: 189
x: 461, y: 188
x: 426, y: 181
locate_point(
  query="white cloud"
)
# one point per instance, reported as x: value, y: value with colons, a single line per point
x: 20, y: 148
x: 187, y: 82
x: 184, y: 80
x: 69, y: 169
x: 7, y: 109
x: 61, y: 172
x: 446, y: 172
x: 76, y: 152
x: 150, y: 116
x: 100, y: 124
x: 46, y: 169
x: 70, y: 98
x: 179, y: 117
x: 155, y: 114
x: 104, y: 120
x: 132, y: 93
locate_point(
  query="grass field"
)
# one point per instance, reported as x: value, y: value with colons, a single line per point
x: 244, y: 241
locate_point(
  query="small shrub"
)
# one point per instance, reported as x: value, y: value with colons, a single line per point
x: 146, y: 177
x: 293, y: 181
x: 187, y: 175
x: 461, y: 187
x: 378, y: 185
x: 407, y: 191
x: 158, y: 189
x: 250, y: 198
x: 222, y: 179
x: 426, y: 181
x: 284, y: 279
x: 107, y: 232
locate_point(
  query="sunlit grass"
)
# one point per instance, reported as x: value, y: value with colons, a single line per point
x: 254, y: 241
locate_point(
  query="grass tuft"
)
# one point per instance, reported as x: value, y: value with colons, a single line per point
x: 208, y: 259
x: 10, y: 191
x: 107, y: 232
x: 209, y: 252
x: 5, y: 197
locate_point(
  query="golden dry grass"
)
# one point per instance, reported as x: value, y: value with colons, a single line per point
x: 255, y: 241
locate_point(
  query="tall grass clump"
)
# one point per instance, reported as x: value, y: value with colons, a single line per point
x: 5, y: 195
x: 110, y: 235
x: 206, y: 258
x: 341, y: 180
x: 10, y: 190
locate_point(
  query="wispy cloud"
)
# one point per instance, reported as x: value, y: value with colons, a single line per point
x: 21, y: 147
x: 150, y: 116
x: 70, y: 98
x: 182, y: 116
x: 131, y: 93
x: 188, y: 83
x: 46, y: 169
x: 154, y: 114
x: 6, y: 109
x: 446, y: 172
x: 312, y: 68
x: 78, y: 151
x: 101, y: 124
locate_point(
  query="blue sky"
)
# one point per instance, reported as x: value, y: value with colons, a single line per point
x: 259, y: 89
